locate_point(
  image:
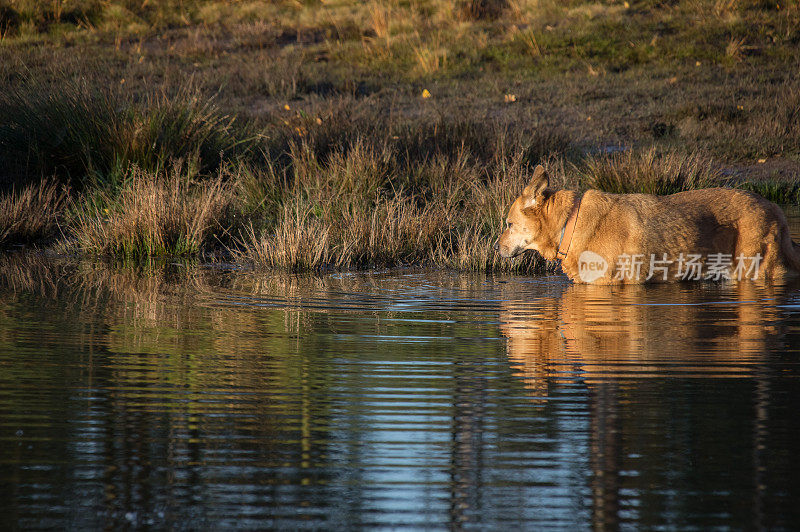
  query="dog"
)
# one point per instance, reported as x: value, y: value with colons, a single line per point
x: 604, y: 238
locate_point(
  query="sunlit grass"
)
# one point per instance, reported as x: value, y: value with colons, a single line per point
x: 440, y: 36
x: 32, y: 213
x: 356, y: 209
x: 649, y: 172
x: 152, y: 214
x: 375, y: 133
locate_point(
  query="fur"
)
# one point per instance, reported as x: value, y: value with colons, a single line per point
x: 695, y: 222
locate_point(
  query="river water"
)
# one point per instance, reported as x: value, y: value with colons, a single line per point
x: 205, y: 397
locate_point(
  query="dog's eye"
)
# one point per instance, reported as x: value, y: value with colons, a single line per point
x: 509, y: 224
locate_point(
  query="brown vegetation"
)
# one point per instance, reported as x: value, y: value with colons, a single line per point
x: 160, y: 213
x: 31, y: 214
x: 304, y: 135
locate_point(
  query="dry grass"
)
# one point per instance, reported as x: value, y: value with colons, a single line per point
x: 357, y: 208
x: 429, y: 58
x: 342, y: 162
x: 380, y: 18
x: 332, y: 190
x: 649, y: 172
x: 529, y: 42
x: 341, y: 212
x: 390, y: 232
x: 160, y: 213
x: 724, y: 7
x: 735, y: 48
x: 31, y: 214
x: 297, y: 241
x: 349, y: 188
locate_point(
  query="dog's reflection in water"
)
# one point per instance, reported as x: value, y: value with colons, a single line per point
x: 595, y: 333
x: 616, y: 343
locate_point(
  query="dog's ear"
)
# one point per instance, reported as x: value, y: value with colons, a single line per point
x: 534, y: 192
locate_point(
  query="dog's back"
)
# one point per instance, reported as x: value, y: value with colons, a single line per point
x: 703, y: 222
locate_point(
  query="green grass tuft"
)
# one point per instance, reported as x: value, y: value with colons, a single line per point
x: 153, y: 214
x: 80, y: 132
x: 780, y: 192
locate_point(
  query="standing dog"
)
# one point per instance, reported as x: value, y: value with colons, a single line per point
x: 715, y: 233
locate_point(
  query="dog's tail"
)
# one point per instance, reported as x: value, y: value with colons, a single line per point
x: 791, y: 250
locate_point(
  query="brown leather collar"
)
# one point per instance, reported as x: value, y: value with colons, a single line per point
x: 568, y: 230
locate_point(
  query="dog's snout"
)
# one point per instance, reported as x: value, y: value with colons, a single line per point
x: 497, y: 245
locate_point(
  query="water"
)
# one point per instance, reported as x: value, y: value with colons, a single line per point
x: 192, y: 397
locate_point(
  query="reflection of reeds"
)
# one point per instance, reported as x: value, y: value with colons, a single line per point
x: 162, y: 314
x: 20, y: 272
x: 93, y: 282
x: 149, y: 307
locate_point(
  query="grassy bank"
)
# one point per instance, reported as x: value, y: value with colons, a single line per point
x: 340, y: 189
x: 337, y: 190
x: 348, y: 134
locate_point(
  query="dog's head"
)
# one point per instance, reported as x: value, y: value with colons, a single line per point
x: 529, y: 222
